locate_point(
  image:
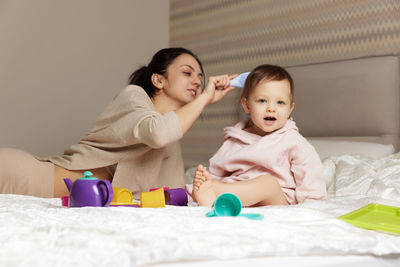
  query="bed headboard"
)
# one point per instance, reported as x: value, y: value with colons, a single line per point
x: 353, y: 100
x: 356, y: 100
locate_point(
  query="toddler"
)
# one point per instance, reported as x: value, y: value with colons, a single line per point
x: 264, y: 159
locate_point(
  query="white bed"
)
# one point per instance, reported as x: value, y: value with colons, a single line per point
x: 40, y: 232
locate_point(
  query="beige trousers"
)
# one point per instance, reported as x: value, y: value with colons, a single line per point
x: 21, y: 173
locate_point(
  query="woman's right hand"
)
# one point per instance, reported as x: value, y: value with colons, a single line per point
x: 217, y: 87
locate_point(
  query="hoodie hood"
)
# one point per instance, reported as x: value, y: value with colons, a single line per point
x: 237, y: 131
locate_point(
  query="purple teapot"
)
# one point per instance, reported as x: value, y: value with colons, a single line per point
x: 89, y: 191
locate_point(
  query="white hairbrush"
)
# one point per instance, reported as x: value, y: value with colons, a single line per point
x: 239, y: 80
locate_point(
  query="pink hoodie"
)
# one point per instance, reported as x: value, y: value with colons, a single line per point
x: 285, y: 154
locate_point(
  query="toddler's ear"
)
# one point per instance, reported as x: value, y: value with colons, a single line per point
x: 245, y: 107
x: 291, y: 109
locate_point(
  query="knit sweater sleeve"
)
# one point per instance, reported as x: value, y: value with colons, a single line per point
x: 131, y: 119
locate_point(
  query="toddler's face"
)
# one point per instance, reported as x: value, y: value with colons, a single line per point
x: 269, y: 106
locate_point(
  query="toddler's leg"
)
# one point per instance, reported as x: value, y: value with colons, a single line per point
x: 203, y: 191
x: 261, y: 191
x: 21, y: 173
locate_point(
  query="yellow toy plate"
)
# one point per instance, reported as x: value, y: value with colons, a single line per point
x: 375, y: 217
x: 124, y: 204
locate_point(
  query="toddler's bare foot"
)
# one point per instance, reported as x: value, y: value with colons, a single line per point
x: 203, y: 190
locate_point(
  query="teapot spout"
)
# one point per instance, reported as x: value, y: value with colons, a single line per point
x: 68, y: 183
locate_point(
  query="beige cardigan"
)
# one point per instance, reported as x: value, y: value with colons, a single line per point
x: 130, y: 133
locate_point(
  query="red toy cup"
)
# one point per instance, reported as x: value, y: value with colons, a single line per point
x: 64, y: 201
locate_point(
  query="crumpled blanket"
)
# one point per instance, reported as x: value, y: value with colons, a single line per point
x: 40, y: 232
x: 357, y: 175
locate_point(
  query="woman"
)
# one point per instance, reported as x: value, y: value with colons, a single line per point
x: 135, y: 141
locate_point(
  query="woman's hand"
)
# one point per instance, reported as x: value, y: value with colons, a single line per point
x: 217, y: 87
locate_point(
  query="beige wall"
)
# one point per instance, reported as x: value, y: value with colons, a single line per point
x: 61, y: 62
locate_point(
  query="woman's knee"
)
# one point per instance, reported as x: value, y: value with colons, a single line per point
x: 11, y: 155
x: 22, y: 173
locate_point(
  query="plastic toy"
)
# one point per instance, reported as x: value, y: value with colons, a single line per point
x: 122, y: 197
x: 89, y: 191
x: 239, y: 80
x: 64, y: 201
x: 174, y: 196
x: 375, y: 217
x: 229, y: 204
x: 152, y: 199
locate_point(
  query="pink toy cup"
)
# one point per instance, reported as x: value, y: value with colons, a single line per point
x: 64, y: 201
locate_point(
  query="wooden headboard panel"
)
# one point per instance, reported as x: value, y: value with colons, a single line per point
x: 356, y: 99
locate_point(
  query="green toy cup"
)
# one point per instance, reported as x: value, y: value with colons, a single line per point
x: 226, y: 204
x: 229, y: 204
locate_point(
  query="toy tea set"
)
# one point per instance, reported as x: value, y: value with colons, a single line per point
x: 90, y: 191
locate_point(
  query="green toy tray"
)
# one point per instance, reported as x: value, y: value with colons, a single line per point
x: 375, y: 217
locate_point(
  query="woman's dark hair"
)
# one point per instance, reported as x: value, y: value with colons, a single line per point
x: 158, y: 64
x: 267, y: 73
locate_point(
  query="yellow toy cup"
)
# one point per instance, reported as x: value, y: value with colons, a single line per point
x: 122, y: 196
x: 152, y: 199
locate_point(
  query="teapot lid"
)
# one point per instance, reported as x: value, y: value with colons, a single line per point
x: 88, y: 175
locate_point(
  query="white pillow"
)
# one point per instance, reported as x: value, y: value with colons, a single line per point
x: 326, y: 148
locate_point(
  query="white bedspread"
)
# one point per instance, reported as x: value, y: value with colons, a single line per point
x: 39, y: 232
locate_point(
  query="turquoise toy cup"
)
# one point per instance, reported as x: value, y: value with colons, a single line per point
x: 226, y: 204
x: 229, y: 204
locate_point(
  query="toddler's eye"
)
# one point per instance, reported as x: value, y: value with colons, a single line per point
x: 280, y: 102
x: 262, y: 101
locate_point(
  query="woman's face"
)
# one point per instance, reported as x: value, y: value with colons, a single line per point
x: 183, y: 81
